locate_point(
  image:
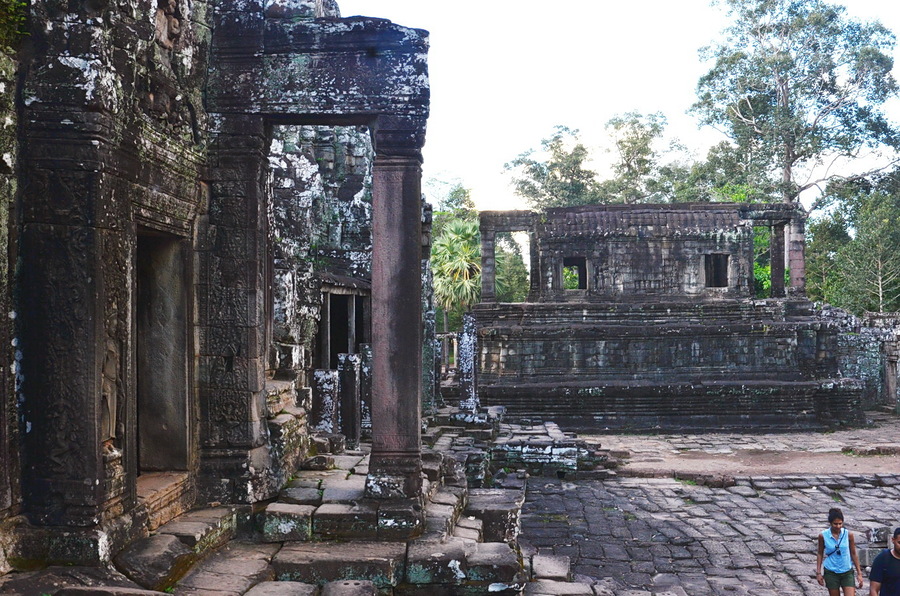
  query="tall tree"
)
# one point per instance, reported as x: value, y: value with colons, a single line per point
x: 827, y: 235
x: 559, y: 180
x: 636, y: 159
x: 870, y: 263
x: 796, y: 83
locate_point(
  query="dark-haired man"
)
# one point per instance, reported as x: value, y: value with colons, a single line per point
x: 884, y: 579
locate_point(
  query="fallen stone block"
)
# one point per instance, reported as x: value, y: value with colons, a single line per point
x: 287, y: 522
x: 156, y: 562
x: 400, y: 519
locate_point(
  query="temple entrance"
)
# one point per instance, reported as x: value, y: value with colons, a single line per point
x: 162, y: 349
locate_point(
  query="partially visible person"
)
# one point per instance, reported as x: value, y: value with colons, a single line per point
x: 837, y: 552
x: 884, y: 579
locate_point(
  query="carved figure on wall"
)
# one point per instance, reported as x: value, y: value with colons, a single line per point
x: 109, y: 385
x: 168, y: 25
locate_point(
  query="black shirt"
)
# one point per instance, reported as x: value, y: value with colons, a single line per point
x: 886, y: 569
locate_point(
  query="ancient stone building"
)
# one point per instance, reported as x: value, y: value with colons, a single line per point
x: 645, y: 316
x: 209, y: 201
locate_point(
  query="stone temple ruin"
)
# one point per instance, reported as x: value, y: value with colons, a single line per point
x: 660, y: 327
x: 216, y: 283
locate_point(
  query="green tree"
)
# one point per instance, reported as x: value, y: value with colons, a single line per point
x: 636, y: 163
x: 826, y: 236
x: 869, y: 265
x: 559, y: 181
x: 511, y: 277
x: 796, y: 82
x: 456, y: 265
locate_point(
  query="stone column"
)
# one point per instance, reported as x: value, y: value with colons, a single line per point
x: 797, y: 255
x: 395, y: 468
x: 776, y: 260
x: 488, y: 266
x: 466, y: 364
x: 350, y: 417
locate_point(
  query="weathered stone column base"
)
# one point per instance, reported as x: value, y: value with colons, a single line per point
x: 238, y: 476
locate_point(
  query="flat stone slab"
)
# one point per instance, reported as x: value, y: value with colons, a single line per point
x: 51, y: 579
x: 545, y: 566
x: 379, y: 562
x: 277, y: 588
x: 301, y: 496
x: 549, y: 587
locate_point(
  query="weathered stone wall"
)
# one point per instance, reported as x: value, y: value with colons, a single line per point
x: 663, y: 331
x: 9, y: 158
x: 114, y: 146
x: 320, y: 217
x: 867, y: 349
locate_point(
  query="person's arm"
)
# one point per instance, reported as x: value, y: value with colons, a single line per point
x: 874, y: 588
x: 855, y: 559
x: 820, y: 556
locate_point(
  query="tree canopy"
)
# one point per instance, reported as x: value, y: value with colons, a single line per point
x: 796, y: 83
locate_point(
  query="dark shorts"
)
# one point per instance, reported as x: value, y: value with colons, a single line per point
x: 839, y: 580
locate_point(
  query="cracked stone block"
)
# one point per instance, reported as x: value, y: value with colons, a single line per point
x: 378, y: 562
x: 286, y: 521
x: 155, y: 562
x: 544, y: 566
x: 430, y: 563
x: 494, y: 562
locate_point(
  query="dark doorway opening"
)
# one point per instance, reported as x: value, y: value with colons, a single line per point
x: 716, y: 269
x: 161, y: 352
x: 574, y: 273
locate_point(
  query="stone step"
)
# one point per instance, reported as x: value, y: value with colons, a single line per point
x: 469, y: 528
x: 160, y: 560
x: 233, y: 569
x: 381, y: 563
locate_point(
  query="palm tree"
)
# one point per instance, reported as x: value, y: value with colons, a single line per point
x: 456, y: 263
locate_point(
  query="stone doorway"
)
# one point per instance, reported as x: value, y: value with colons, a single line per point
x: 162, y: 347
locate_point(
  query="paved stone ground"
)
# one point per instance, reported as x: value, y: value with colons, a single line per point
x: 631, y: 536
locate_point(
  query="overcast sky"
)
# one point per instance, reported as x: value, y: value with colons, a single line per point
x: 505, y: 72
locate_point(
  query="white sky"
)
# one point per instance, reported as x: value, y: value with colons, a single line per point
x: 505, y: 72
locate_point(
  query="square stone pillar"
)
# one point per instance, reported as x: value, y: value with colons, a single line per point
x: 776, y: 261
x: 797, y: 256
x: 395, y: 466
x: 488, y: 266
